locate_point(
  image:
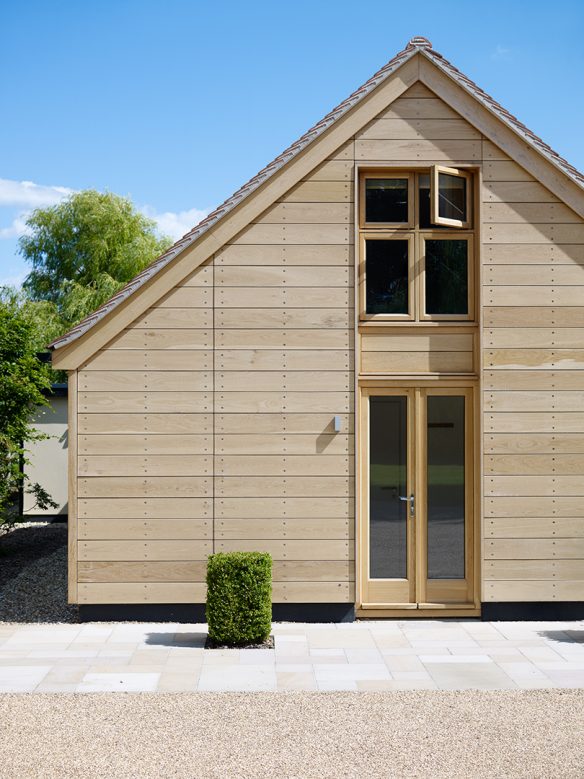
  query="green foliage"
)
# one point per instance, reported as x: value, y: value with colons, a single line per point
x: 22, y: 382
x: 83, y: 251
x: 239, y: 597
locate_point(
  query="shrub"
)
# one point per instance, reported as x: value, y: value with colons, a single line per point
x: 239, y: 597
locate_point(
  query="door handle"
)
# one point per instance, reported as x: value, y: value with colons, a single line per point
x: 412, y: 501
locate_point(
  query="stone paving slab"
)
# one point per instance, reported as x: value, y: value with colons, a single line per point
x: 369, y: 655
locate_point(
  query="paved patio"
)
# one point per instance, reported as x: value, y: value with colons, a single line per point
x: 363, y: 656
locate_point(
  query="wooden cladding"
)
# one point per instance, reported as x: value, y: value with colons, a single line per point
x: 533, y: 389
x: 207, y: 424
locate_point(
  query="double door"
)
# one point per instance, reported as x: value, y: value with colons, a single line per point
x: 417, y: 512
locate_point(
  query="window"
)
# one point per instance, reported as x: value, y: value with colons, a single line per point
x: 416, y: 245
x: 387, y: 200
x: 387, y: 275
x: 450, y: 197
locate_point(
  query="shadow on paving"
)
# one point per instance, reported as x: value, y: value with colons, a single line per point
x: 177, y: 639
x: 563, y: 636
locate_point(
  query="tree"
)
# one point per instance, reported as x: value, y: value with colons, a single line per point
x: 23, y: 382
x: 83, y: 251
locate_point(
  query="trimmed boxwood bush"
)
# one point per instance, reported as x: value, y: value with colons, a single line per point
x: 239, y: 597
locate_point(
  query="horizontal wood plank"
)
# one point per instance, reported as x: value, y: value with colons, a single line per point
x: 184, y: 549
x: 281, y: 508
x: 149, y: 423
x: 144, y: 507
x: 145, y: 465
x: 417, y: 362
x: 278, y: 486
x: 422, y: 129
x: 142, y: 592
x: 295, y: 234
x: 535, y: 549
x: 310, y: 549
x: 150, y: 360
x: 144, y: 487
x: 283, y: 276
x: 530, y: 442
x: 145, y: 381
x: 315, y: 255
x: 283, y: 465
x: 124, y: 444
x: 430, y: 151
x: 338, y: 528
x: 535, y: 527
x: 144, y: 529
x: 145, y: 402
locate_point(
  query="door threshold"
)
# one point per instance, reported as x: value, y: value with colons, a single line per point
x: 425, y: 611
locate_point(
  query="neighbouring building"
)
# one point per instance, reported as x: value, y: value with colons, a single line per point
x: 369, y: 361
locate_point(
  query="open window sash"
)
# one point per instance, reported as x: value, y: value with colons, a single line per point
x: 450, y: 197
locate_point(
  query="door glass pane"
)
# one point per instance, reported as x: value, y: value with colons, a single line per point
x: 386, y: 272
x: 446, y: 277
x: 446, y: 491
x: 387, y: 481
x: 452, y: 197
x: 386, y: 200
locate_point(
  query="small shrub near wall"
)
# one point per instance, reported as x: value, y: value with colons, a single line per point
x: 239, y: 597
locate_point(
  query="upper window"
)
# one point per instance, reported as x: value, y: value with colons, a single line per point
x: 416, y: 247
x: 387, y: 200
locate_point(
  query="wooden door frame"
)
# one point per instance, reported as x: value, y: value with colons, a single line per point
x: 366, y: 388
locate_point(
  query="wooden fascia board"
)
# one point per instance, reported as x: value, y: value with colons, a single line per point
x: 501, y: 135
x: 79, y: 351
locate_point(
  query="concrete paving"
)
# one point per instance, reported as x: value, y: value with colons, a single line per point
x: 362, y: 656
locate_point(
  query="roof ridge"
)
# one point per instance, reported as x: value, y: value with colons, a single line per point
x: 415, y: 45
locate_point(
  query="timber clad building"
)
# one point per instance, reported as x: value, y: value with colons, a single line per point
x: 368, y: 362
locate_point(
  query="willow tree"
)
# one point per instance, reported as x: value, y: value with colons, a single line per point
x: 83, y: 250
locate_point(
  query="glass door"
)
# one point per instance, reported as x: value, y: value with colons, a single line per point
x: 417, y: 470
x: 388, y: 497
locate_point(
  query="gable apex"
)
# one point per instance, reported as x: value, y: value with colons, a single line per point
x: 418, y: 51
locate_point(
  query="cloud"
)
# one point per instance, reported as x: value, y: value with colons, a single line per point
x: 16, y: 229
x: 176, y: 224
x: 501, y: 54
x: 28, y: 195
x: 24, y: 196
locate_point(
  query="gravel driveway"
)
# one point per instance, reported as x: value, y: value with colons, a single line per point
x: 437, y: 735
x: 33, y: 574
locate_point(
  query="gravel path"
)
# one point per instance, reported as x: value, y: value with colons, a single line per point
x: 411, y: 734
x: 33, y: 574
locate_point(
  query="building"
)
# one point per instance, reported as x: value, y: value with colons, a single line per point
x: 47, y: 458
x: 368, y: 362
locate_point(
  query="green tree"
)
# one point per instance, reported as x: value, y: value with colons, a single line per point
x: 84, y: 250
x: 23, y: 382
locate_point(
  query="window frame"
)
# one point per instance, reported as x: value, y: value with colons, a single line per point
x: 384, y: 173
x: 439, y: 235
x: 442, y: 221
x: 393, y: 235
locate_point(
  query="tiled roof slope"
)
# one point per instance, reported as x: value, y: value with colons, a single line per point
x: 416, y: 45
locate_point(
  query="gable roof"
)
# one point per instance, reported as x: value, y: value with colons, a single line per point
x: 417, y: 45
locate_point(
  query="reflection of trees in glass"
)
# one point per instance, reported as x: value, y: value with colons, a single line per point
x: 386, y: 268
x: 386, y: 200
x: 446, y: 277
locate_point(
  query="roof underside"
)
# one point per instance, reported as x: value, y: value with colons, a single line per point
x: 415, y: 46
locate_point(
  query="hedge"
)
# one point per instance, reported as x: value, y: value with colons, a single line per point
x: 239, y: 597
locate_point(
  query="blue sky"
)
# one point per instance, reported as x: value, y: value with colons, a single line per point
x: 177, y: 103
